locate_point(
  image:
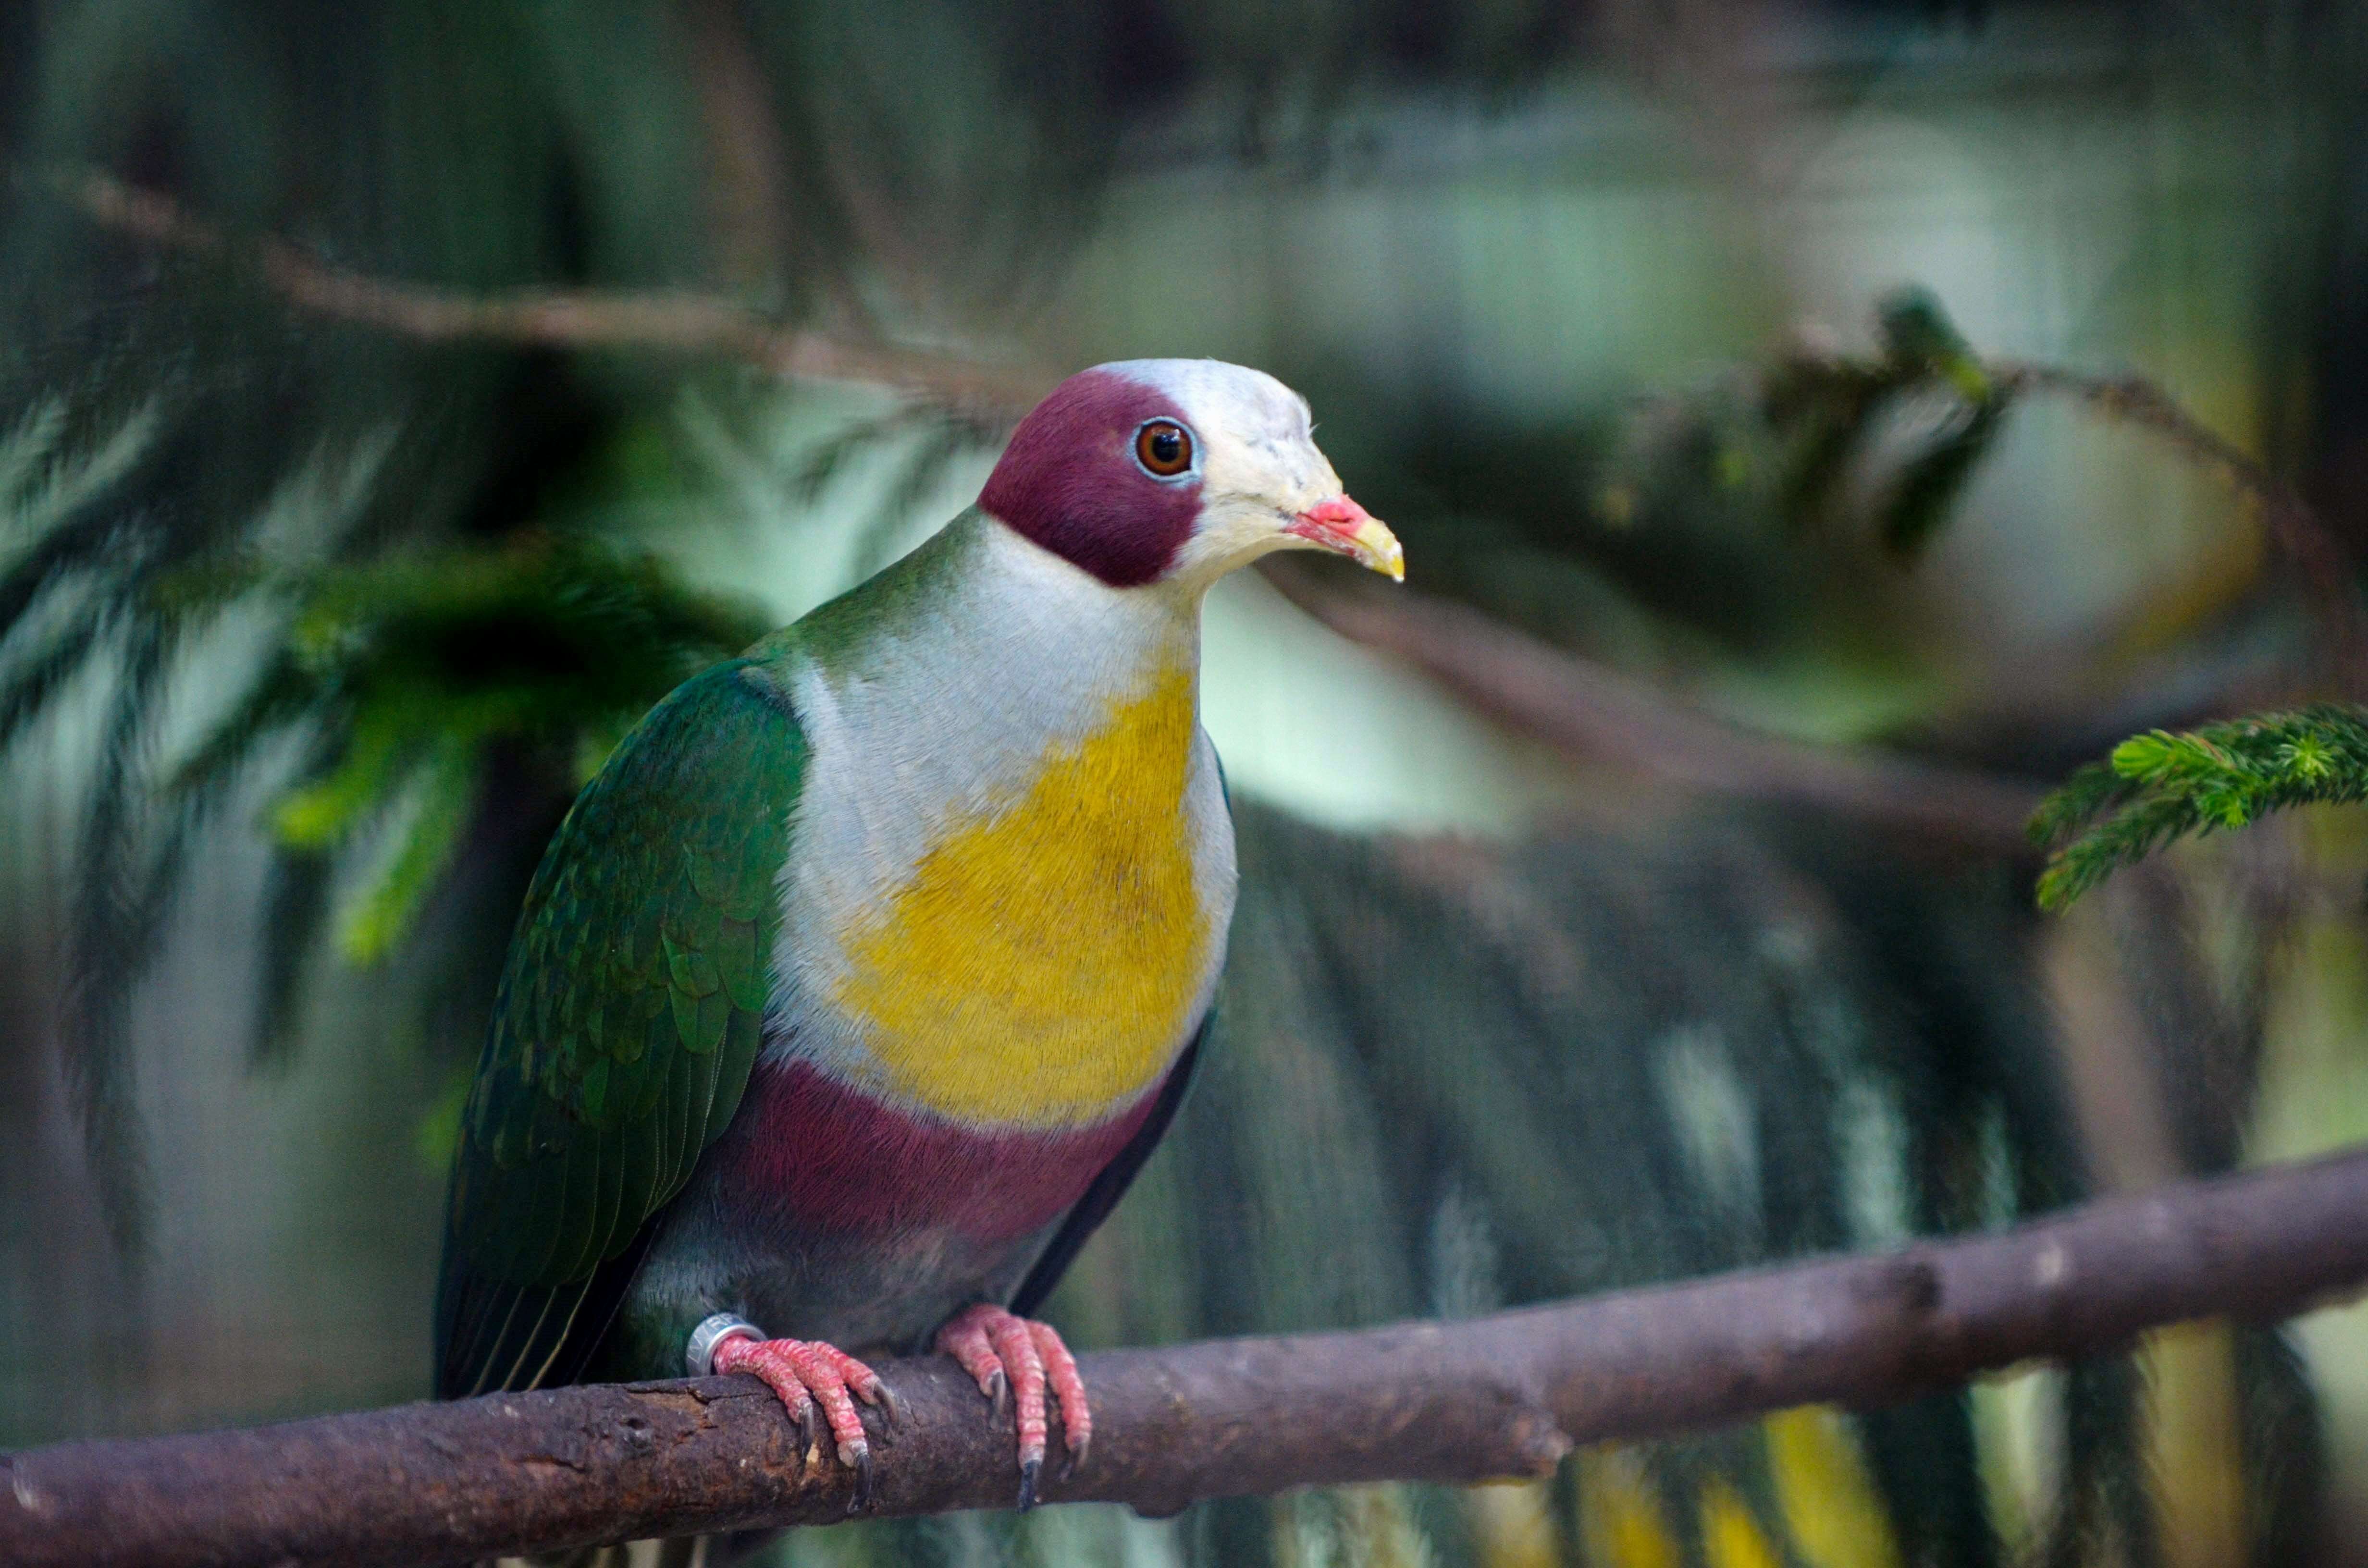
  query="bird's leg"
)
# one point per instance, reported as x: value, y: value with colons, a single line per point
x: 1002, y: 1352
x: 807, y: 1373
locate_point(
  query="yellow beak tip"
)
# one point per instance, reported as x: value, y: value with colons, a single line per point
x: 1379, y: 551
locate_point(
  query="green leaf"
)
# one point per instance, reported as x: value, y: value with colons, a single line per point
x: 1920, y: 340
x: 1929, y: 483
x: 2161, y: 787
x: 319, y: 815
x: 382, y: 917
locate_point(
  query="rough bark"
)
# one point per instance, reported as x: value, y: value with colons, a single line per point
x: 1502, y: 1395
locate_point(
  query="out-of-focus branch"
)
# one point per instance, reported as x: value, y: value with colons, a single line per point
x: 1595, y: 713
x: 680, y: 322
x: 1450, y: 1401
x: 1579, y: 706
x: 747, y: 184
x: 698, y: 323
x: 2319, y: 558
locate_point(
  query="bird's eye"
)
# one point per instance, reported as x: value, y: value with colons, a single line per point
x: 1163, y: 447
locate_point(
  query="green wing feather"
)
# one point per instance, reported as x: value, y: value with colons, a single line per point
x: 628, y: 1016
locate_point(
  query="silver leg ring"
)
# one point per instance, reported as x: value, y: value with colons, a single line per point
x: 700, y: 1354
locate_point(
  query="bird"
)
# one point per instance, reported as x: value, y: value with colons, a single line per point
x: 860, y: 980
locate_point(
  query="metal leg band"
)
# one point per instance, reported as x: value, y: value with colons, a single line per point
x: 700, y: 1354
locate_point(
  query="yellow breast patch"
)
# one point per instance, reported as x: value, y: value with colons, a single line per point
x: 1037, y: 967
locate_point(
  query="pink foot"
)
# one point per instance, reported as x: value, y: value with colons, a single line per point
x: 1017, y: 1355
x: 806, y: 1373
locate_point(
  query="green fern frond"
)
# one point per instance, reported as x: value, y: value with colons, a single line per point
x: 24, y: 450
x: 444, y: 788
x: 2161, y: 786
x: 34, y: 679
x: 44, y: 480
x: 411, y: 667
x: 830, y: 457
x: 2092, y: 788
x: 323, y: 814
x: 281, y: 696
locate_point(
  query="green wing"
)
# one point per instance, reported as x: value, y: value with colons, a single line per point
x: 629, y: 1016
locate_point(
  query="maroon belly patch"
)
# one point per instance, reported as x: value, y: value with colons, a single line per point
x: 834, y: 1157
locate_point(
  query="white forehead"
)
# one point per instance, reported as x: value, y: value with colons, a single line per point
x: 1218, y: 398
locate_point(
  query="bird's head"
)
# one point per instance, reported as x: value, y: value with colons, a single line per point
x: 1176, y: 472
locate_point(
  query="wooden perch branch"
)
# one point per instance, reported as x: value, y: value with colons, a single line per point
x: 1593, y: 712
x: 1446, y: 1402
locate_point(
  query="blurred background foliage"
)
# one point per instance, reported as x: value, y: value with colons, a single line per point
x: 396, y: 399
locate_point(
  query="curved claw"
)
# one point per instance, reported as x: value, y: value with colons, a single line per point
x: 1076, y: 1454
x: 1016, y: 1363
x: 861, y: 1499
x: 814, y: 1381
x: 891, y: 1409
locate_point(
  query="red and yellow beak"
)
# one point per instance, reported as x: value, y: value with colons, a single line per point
x: 1345, y: 528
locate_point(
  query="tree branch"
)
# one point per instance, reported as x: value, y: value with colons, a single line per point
x: 1593, y: 712
x: 1572, y: 703
x: 1443, y: 1402
x: 2339, y: 625
x: 678, y: 323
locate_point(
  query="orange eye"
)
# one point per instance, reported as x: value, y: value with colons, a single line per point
x: 1163, y: 447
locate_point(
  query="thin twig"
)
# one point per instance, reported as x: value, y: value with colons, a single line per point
x: 1594, y: 713
x: 2339, y: 625
x: 1441, y: 1402
x: 680, y: 322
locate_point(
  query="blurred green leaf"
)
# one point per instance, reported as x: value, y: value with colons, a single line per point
x: 413, y: 666
x: 438, y: 1130
x: 1920, y: 342
x: 1813, y: 422
x: 444, y: 789
x: 1929, y: 483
